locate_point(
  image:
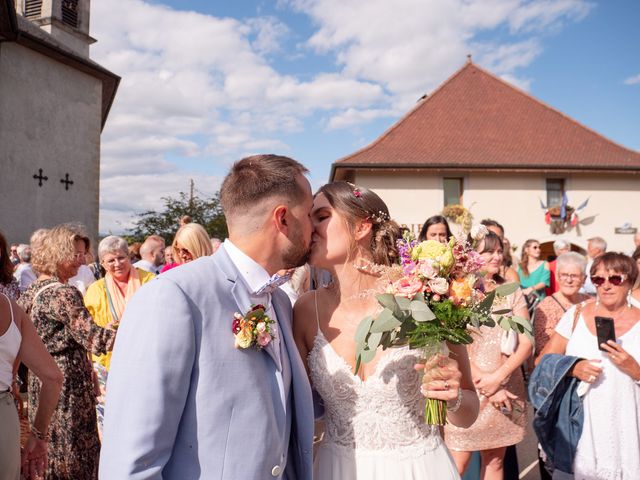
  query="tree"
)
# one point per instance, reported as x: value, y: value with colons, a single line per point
x: 206, y: 211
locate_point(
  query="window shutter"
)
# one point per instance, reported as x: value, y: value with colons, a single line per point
x: 70, y: 13
x: 32, y: 8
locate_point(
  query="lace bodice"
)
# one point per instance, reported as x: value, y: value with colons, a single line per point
x: 383, y: 412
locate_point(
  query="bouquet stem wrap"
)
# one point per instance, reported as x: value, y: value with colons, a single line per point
x: 435, y: 410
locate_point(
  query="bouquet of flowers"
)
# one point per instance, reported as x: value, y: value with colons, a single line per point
x: 436, y: 299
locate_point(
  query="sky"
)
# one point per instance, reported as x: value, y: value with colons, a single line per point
x: 207, y: 82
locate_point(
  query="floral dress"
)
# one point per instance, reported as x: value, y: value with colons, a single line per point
x: 11, y: 289
x: 68, y: 332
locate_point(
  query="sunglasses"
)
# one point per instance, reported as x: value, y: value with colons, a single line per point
x: 615, y: 280
x: 182, y: 251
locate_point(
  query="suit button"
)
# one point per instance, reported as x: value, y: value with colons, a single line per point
x: 276, y: 471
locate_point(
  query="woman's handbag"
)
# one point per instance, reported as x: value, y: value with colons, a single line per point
x: 508, y: 342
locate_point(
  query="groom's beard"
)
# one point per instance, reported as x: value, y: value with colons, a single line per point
x: 297, y: 254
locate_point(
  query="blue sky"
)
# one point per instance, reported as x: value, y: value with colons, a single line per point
x: 207, y: 82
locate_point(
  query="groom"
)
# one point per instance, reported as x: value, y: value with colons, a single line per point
x: 183, y: 402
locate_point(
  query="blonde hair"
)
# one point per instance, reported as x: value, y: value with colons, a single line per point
x: 56, y: 247
x: 194, y: 238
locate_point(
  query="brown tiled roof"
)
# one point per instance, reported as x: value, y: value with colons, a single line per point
x: 476, y: 120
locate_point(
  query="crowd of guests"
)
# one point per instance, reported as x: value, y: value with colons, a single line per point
x: 60, y: 308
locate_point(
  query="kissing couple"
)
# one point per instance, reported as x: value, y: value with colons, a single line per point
x: 196, y: 391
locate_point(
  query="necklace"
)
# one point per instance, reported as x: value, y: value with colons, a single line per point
x: 367, y: 266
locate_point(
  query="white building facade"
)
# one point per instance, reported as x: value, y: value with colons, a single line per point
x: 481, y: 143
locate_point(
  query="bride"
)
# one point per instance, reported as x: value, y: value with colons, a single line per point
x: 374, y: 420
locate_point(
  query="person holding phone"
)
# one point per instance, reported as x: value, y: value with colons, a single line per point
x: 610, y: 439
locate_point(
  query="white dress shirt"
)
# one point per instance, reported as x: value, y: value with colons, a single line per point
x: 255, y: 276
x: 147, y: 266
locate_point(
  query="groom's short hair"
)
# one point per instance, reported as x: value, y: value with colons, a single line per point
x: 257, y: 178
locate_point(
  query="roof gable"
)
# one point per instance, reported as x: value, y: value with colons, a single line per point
x: 476, y: 120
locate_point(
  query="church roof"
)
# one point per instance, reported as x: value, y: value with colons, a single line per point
x: 475, y: 120
x: 20, y: 30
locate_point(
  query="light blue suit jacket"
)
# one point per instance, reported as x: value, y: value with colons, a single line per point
x: 184, y: 403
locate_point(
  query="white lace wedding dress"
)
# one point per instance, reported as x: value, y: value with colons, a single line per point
x: 375, y: 429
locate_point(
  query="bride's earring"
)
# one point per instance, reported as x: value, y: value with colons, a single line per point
x: 629, y: 299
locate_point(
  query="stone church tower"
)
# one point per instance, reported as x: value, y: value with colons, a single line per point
x: 67, y: 21
x: 54, y: 102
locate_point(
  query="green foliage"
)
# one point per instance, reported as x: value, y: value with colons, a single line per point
x: 424, y: 324
x: 203, y: 210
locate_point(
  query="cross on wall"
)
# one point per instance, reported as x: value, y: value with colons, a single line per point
x: 40, y: 177
x: 66, y: 181
x: 43, y: 178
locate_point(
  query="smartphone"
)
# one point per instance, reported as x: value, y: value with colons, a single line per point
x: 605, y: 330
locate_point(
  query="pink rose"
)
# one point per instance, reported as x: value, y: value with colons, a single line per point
x: 427, y: 269
x: 439, y: 286
x: 263, y: 339
x: 408, y: 287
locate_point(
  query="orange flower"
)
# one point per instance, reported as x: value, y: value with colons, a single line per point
x: 460, y: 291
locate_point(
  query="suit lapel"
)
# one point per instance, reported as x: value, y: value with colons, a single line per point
x: 241, y: 294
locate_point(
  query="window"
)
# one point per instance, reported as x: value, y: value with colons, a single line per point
x: 452, y: 188
x: 555, y: 192
x: 32, y: 8
x: 70, y: 13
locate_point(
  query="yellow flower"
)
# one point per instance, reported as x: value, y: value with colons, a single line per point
x: 429, y: 249
x: 244, y: 338
x: 433, y: 250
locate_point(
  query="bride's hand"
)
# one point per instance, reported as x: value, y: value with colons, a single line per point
x: 441, y: 378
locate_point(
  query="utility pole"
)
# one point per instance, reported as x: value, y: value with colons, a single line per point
x: 191, y: 186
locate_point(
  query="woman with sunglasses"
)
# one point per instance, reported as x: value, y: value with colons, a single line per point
x: 570, y: 276
x: 533, y: 271
x: 610, y: 441
x: 635, y: 293
x: 191, y: 242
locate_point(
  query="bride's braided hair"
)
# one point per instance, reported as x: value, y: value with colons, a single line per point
x: 358, y: 203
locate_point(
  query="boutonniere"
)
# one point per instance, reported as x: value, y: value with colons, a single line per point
x: 253, y: 328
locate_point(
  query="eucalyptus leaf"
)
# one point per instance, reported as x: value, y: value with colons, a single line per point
x: 404, y: 303
x: 506, y: 289
x: 484, y: 307
x: 387, y: 300
x: 421, y: 311
x: 502, y: 311
x: 374, y: 340
x: 385, y: 322
x: 363, y: 329
x: 367, y: 355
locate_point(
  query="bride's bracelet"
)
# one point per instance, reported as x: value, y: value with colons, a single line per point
x: 456, y: 406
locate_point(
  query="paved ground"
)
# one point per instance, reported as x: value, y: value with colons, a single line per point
x: 528, y: 453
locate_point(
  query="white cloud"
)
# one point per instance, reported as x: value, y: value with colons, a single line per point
x: 410, y: 48
x: 200, y: 87
x: 117, y: 211
x: 207, y: 90
x: 634, y: 80
x: 353, y: 116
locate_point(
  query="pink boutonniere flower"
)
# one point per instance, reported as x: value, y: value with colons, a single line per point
x: 253, y: 329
